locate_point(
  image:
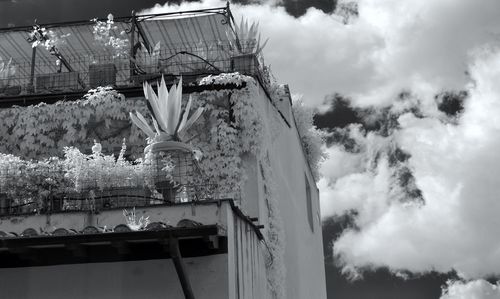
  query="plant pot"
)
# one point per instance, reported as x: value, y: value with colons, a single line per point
x: 170, y: 184
x: 245, y: 64
x: 4, y: 204
x: 123, y: 197
x: 102, y: 75
x: 57, y: 82
x: 10, y: 90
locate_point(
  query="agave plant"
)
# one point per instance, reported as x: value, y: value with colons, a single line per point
x: 7, y: 70
x: 147, y: 60
x: 169, y: 120
x: 246, y: 39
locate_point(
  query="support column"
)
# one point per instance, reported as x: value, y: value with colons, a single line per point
x: 180, y: 268
x: 31, y: 87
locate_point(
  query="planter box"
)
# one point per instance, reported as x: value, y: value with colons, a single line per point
x: 139, y: 79
x: 10, y: 90
x: 125, y: 197
x: 57, y: 82
x: 245, y: 64
x: 102, y: 75
x: 4, y: 204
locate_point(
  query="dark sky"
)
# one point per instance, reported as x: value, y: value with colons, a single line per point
x: 380, y: 284
x: 24, y: 12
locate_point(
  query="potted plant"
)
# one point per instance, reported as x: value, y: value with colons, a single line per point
x: 170, y: 122
x: 7, y: 70
x: 52, y: 42
x: 103, y: 73
x: 245, y: 46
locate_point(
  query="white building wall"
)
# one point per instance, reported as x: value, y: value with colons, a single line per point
x: 304, y: 261
x: 247, y: 274
x: 122, y: 280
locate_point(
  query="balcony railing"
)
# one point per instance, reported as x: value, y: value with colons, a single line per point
x: 95, y: 200
x: 50, y: 187
x: 92, y: 70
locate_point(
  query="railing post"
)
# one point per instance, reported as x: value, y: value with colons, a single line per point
x: 31, y: 87
x: 132, y: 47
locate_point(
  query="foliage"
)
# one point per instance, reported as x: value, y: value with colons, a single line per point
x: 169, y: 120
x: 245, y: 39
x: 105, y: 37
x: 228, y: 137
x: 133, y: 223
x: 7, y: 70
x: 146, y: 59
x: 98, y: 171
x: 28, y: 181
x: 42, y: 130
x: 312, y: 138
x: 49, y: 39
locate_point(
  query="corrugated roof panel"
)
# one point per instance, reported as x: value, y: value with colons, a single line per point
x: 197, y: 34
x: 185, y: 33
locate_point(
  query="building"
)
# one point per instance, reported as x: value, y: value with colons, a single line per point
x: 239, y: 218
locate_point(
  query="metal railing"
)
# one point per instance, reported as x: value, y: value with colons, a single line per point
x: 106, y: 199
x: 94, y: 70
x: 48, y: 187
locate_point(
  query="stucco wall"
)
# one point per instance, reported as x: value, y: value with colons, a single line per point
x: 124, y: 280
x: 304, y: 262
x: 247, y: 275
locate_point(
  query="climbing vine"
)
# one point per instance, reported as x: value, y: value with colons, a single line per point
x: 43, y: 130
x: 237, y: 127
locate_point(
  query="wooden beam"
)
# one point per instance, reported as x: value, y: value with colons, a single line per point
x: 180, y: 268
x: 142, y: 34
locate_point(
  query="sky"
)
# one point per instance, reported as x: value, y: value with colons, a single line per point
x: 409, y: 93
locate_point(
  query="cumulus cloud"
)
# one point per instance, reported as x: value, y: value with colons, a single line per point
x: 478, y: 289
x: 455, y: 167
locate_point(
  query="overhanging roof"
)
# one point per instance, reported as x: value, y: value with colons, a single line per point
x: 110, y: 247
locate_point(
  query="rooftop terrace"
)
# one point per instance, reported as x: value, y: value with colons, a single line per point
x: 73, y: 57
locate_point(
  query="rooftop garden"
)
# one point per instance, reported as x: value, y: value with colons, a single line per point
x: 106, y: 151
x: 124, y: 52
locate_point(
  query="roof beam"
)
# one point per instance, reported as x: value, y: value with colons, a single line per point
x: 142, y: 34
x: 180, y: 268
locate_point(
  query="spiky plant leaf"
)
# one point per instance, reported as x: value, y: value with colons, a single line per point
x: 185, y: 114
x: 192, y: 120
x: 142, y: 125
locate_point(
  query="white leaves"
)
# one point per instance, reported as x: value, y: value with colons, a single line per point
x: 7, y: 70
x: 168, y: 118
x: 105, y: 36
x: 246, y: 39
x: 140, y: 122
x: 42, y: 130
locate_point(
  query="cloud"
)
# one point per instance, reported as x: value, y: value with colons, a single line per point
x: 455, y: 166
x: 478, y: 289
